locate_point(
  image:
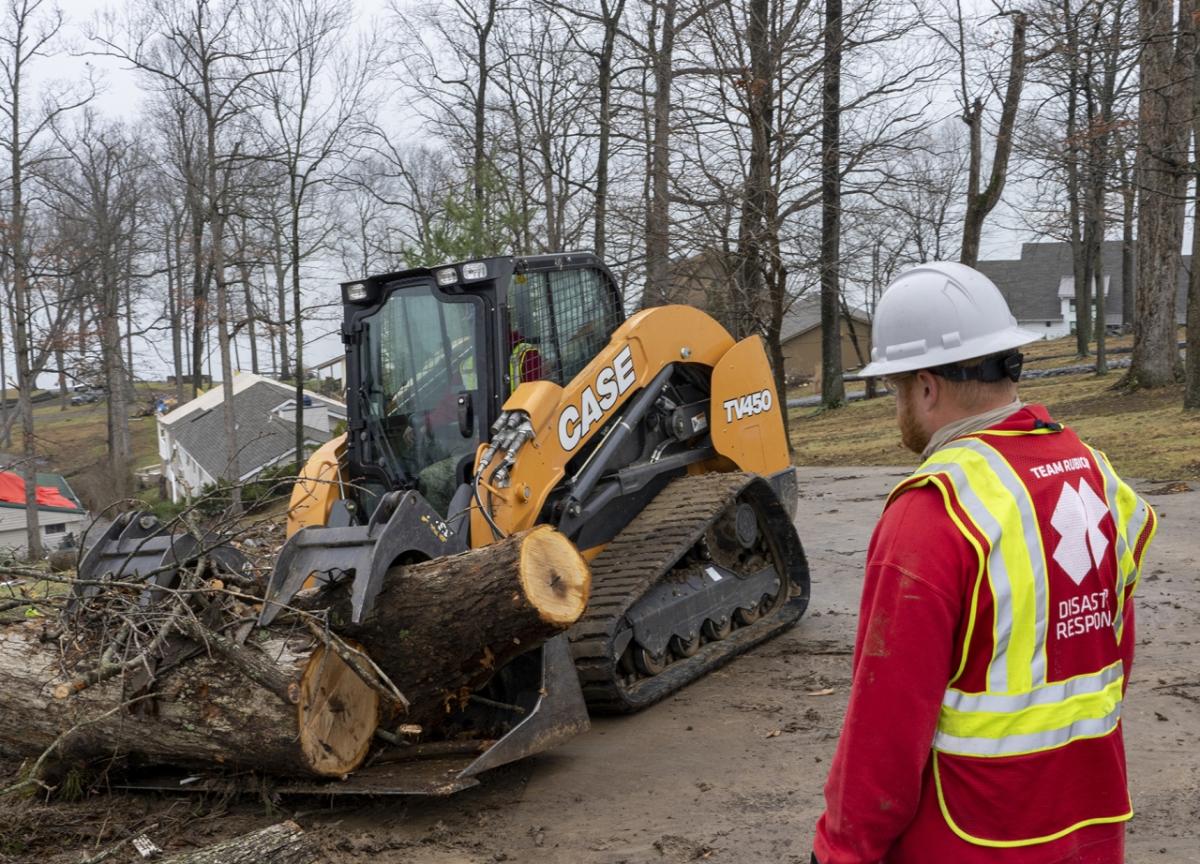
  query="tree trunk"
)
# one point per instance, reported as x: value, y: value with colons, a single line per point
x: 833, y: 387
x: 286, y: 705
x: 200, y: 277
x: 1101, y: 309
x: 284, y: 843
x: 1162, y: 159
x: 281, y: 295
x: 174, y: 312
x: 5, y: 421
x: 440, y: 629
x: 1128, y: 195
x: 26, y: 379
x: 981, y: 202
x: 658, y: 216
x: 604, y: 76
x: 248, y: 292
x: 60, y: 361
x: 120, y: 450
x: 1083, y: 287
x: 1191, y: 363
x: 297, y: 313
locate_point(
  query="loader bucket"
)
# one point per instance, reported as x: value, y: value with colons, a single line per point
x: 556, y: 713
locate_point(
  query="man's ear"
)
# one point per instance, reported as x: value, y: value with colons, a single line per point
x: 927, y: 389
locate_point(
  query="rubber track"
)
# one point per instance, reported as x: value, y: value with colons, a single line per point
x: 634, y: 561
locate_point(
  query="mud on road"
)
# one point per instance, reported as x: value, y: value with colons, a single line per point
x: 731, y: 769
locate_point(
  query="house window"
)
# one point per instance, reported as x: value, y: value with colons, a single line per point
x: 56, y: 528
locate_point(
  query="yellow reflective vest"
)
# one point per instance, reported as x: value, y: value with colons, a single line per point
x: 1036, y: 698
x: 516, y: 362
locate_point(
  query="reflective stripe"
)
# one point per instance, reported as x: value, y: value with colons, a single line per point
x: 1130, y: 521
x: 516, y: 360
x: 1033, y: 545
x: 997, y: 566
x: 1016, y: 745
x: 1048, y: 694
x: 1016, y: 563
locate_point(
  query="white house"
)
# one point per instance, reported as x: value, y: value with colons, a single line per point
x: 1040, y: 287
x: 191, y: 439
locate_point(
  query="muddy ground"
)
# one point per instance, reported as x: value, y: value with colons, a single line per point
x: 731, y: 769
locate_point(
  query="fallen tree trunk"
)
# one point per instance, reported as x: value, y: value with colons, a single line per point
x: 285, y: 843
x: 294, y: 700
x: 440, y: 629
x: 282, y: 704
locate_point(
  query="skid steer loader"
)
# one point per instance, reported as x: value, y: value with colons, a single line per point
x: 490, y: 396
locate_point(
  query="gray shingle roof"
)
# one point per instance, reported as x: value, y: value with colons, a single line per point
x: 805, y: 314
x: 263, y: 437
x: 1032, y: 283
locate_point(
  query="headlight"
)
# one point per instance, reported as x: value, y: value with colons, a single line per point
x: 356, y: 292
x: 447, y: 276
x: 474, y: 270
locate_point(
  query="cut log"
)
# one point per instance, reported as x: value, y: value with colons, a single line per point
x: 280, y: 704
x: 285, y: 843
x: 440, y: 629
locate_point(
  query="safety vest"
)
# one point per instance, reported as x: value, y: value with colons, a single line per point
x: 1059, y: 539
x: 516, y: 363
x: 466, y: 371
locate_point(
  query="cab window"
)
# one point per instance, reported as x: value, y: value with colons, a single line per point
x: 558, y: 321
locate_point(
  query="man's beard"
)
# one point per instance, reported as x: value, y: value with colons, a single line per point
x: 912, y: 435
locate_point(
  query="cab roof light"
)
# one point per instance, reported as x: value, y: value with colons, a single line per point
x: 446, y: 276
x: 356, y: 292
x: 475, y: 270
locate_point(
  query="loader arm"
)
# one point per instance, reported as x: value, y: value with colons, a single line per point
x: 571, y: 427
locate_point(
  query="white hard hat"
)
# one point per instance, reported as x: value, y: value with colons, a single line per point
x: 939, y: 313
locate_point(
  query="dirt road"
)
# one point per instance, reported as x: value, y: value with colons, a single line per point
x: 731, y: 769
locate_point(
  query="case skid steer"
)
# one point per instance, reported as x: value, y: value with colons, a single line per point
x: 494, y: 395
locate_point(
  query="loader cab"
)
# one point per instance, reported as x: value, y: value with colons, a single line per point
x: 432, y: 354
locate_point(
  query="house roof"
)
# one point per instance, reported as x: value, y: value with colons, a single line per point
x: 263, y: 436
x: 805, y: 314
x: 55, y: 482
x: 1034, y: 284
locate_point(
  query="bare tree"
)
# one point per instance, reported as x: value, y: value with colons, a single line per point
x: 98, y: 199
x: 833, y: 388
x: 208, y: 54
x: 314, y: 101
x: 26, y: 35
x: 982, y: 198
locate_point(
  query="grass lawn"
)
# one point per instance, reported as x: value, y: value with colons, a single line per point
x: 77, y: 437
x: 1146, y: 434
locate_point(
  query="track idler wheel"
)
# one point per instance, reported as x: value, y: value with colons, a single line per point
x: 746, y: 617
x: 717, y: 630
x: 684, y: 648
x: 650, y: 664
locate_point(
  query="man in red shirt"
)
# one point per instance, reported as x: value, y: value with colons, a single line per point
x: 996, y: 626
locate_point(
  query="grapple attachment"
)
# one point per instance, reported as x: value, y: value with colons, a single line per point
x: 137, y: 547
x: 403, y: 523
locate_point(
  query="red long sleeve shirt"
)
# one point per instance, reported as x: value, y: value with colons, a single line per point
x: 881, y: 804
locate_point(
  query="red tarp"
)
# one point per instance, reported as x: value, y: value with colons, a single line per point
x: 12, y: 491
